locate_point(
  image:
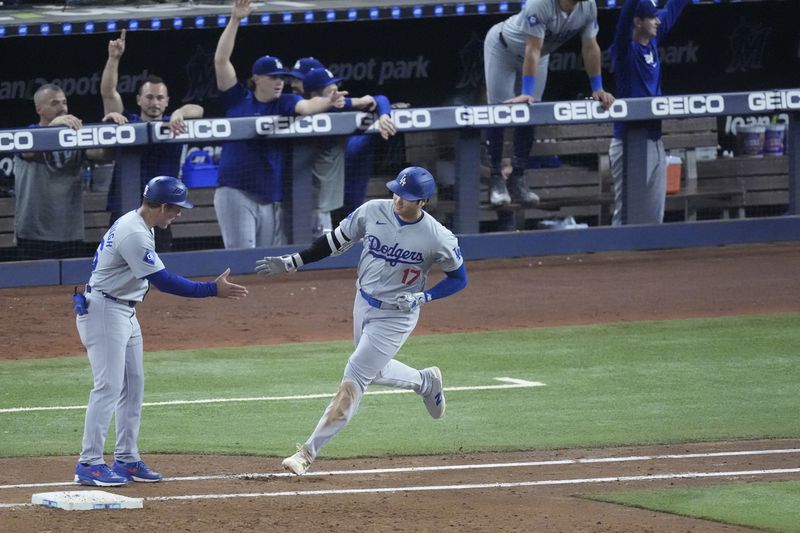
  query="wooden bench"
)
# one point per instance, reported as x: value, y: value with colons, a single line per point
x: 582, y: 186
x: 569, y: 187
x: 197, y: 223
x: 765, y: 181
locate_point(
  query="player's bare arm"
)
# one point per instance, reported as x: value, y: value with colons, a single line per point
x: 533, y: 50
x: 226, y: 73
x: 177, y: 119
x: 592, y: 59
x: 112, y: 101
x: 363, y: 103
x: 321, y: 104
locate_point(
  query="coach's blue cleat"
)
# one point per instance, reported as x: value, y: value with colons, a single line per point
x: 137, y: 471
x: 98, y: 476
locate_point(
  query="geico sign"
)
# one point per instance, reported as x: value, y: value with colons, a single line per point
x: 101, y: 136
x: 487, y: 115
x: 588, y: 109
x: 768, y: 101
x: 687, y: 105
x: 196, y: 129
x: 365, y: 121
x: 411, y: 118
x: 17, y: 140
x: 277, y: 125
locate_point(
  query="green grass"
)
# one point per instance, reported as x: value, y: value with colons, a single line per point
x: 772, y: 506
x: 633, y: 383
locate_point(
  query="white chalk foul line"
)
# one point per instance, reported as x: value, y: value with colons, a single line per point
x: 472, y: 486
x: 469, y: 486
x: 440, y: 468
x: 511, y: 383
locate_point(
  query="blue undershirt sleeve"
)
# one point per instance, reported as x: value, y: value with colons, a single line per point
x: 454, y: 282
x: 382, y: 105
x: 166, y: 281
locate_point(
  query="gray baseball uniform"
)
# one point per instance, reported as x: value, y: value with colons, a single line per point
x: 396, y: 258
x: 504, y: 46
x: 110, y: 331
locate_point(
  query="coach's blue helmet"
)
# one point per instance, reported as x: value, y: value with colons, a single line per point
x: 167, y: 190
x: 413, y: 183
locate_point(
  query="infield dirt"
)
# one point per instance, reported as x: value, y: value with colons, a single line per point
x: 502, y: 294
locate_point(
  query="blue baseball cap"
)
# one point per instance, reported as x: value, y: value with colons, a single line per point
x: 268, y: 66
x: 646, y: 9
x: 318, y: 78
x: 303, y: 65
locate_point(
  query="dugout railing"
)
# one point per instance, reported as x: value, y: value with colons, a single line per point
x: 468, y: 122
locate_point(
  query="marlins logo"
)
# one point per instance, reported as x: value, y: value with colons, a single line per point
x: 149, y: 257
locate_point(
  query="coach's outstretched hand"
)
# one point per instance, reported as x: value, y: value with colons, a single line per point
x: 226, y: 289
x: 272, y: 266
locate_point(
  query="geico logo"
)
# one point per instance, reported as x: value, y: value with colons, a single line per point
x: 588, y: 109
x: 774, y: 100
x: 499, y: 114
x: 276, y: 125
x: 411, y: 118
x: 101, y: 136
x: 687, y: 105
x: 365, y: 121
x: 196, y: 129
x: 18, y: 140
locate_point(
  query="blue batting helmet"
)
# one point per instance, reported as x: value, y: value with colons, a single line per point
x: 167, y: 190
x: 413, y: 183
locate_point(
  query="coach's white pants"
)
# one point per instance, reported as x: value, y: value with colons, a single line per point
x: 113, y: 340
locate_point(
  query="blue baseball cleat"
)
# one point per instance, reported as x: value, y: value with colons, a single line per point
x: 98, y: 476
x: 137, y: 471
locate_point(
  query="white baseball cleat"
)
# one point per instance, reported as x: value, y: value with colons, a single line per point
x: 434, y: 400
x: 299, y: 462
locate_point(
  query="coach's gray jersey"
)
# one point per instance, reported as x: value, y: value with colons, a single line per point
x: 124, y: 257
x: 544, y: 19
x: 409, y: 249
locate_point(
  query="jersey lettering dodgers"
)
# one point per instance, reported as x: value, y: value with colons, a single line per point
x: 397, y: 256
x: 545, y: 20
x: 124, y: 257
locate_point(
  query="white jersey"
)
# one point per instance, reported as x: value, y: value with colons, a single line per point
x: 124, y: 257
x: 397, y: 256
x: 545, y: 19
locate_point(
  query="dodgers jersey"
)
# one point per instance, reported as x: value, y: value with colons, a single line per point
x: 545, y: 19
x: 124, y: 257
x: 397, y: 256
x: 637, y: 67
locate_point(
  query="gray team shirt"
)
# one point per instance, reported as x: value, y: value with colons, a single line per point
x: 397, y: 256
x: 544, y: 19
x: 49, y: 197
x: 124, y: 257
x: 328, y: 171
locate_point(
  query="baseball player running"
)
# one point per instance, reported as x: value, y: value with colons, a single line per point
x: 401, y: 244
x: 123, y: 267
x: 521, y: 45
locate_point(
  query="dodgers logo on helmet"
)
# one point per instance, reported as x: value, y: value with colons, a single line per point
x: 413, y: 183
